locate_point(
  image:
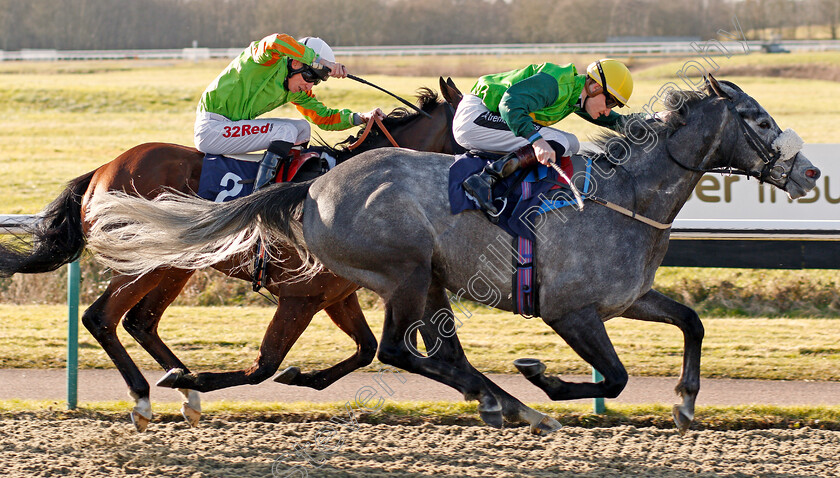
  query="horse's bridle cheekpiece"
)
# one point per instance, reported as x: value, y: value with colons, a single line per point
x: 785, y: 146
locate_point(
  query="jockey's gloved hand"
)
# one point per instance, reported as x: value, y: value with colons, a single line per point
x: 334, y: 69
x: 544, y: 152
x: 365, y: 117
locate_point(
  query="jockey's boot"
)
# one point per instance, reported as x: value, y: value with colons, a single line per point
x: 480, y: 185
x: 277, y: 151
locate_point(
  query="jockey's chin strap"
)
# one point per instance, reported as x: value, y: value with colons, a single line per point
x: 363, y: 137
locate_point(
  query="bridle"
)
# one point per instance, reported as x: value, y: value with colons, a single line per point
x: 373, y: 119
x: 450, y: 115
x: 768, y: 153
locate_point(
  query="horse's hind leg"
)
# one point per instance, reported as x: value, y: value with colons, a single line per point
x: 655, y: 307
x: 142, y: 323
x: 101, y: 320
x: 291, y: 318
x: 348, y: 316
x: 584, y: 331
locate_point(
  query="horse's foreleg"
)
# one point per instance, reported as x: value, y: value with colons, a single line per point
x: 101, y: 320
x: 290, y: 319
x: 655, y: 307
x: 347, y: 315
x: 584, y: 331
x: 142, y: 323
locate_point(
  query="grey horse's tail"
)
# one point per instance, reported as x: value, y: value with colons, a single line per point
x: 134, y: 236
x: 56, y: 238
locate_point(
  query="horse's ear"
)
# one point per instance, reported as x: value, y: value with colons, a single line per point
x: 450, y: 92
x: 458, y: 94
x: 443, y: 88
x: 714, y: 87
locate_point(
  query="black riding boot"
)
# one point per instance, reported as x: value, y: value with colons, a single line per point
x: 480, y: 185
x: 277, y: 150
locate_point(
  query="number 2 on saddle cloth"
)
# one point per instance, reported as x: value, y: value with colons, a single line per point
x: 225, y: 178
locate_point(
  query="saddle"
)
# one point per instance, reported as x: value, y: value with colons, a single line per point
x: 224, y: 178
x: 522, y: 196
x: 227, y: 177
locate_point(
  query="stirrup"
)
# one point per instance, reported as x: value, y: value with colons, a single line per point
x: 494, y: 218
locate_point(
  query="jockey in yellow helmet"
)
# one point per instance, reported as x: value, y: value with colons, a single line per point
x: 513, y: 110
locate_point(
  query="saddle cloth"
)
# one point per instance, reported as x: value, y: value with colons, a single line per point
x: 547, y: 190
x: 224, y: 178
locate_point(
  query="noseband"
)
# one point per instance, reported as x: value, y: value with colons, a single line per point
x: 770, y: 154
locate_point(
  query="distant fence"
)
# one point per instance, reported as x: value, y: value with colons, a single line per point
x: 615, y: 49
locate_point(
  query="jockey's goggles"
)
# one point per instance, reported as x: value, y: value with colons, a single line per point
x: 310, y: 74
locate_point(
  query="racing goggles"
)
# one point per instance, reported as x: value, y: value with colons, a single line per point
x: 311, y: 74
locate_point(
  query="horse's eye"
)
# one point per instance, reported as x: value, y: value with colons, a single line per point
x: 764, y: 124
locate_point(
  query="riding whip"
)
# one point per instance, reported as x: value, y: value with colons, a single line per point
x: 563, y: 175
x: 365, y: 82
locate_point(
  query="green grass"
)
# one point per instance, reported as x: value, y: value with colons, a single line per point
x: 60, y: 120
x: 446, y: 413
x: 227, y: 338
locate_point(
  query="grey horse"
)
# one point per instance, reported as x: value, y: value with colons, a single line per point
x: 383, y: 222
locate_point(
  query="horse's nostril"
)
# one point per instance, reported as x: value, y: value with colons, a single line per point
x: 812, y: 173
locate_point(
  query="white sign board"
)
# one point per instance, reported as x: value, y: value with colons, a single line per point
x: 721, y: 202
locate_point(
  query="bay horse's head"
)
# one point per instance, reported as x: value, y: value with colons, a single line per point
x: 742, y: 138
x: 410, y: 129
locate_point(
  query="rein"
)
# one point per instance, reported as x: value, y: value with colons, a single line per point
x: 365, y: 133
x: 629, y: 213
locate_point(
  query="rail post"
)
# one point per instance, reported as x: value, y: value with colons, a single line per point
x: 598, y: 406
x: 73, y: 278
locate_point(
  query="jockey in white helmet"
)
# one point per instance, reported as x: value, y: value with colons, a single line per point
x: 269, y: 73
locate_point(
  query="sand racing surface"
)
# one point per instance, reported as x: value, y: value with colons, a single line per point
x: 85, y: 447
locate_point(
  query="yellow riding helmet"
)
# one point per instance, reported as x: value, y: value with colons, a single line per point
x: 617, y: 76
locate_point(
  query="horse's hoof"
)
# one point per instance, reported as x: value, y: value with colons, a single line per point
x: 545, y: 426
x: 190, y: 414
x: 288, y: 376
x: 529, y: 367
x: 681, y: 419
x: 492, y: 418
x: 170, y: 378
x: 139, y: 421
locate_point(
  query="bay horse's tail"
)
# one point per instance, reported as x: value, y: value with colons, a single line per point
x: 56, y: 238
x: 133, y: 235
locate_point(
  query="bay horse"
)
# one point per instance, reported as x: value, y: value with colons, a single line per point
x: 149, y: 169
x: 383, y: 221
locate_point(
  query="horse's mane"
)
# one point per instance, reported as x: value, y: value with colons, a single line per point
x: 677, y: 103
x: 427, y: 100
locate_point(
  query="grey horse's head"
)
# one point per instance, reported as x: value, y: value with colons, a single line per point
x: 760, y: 139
